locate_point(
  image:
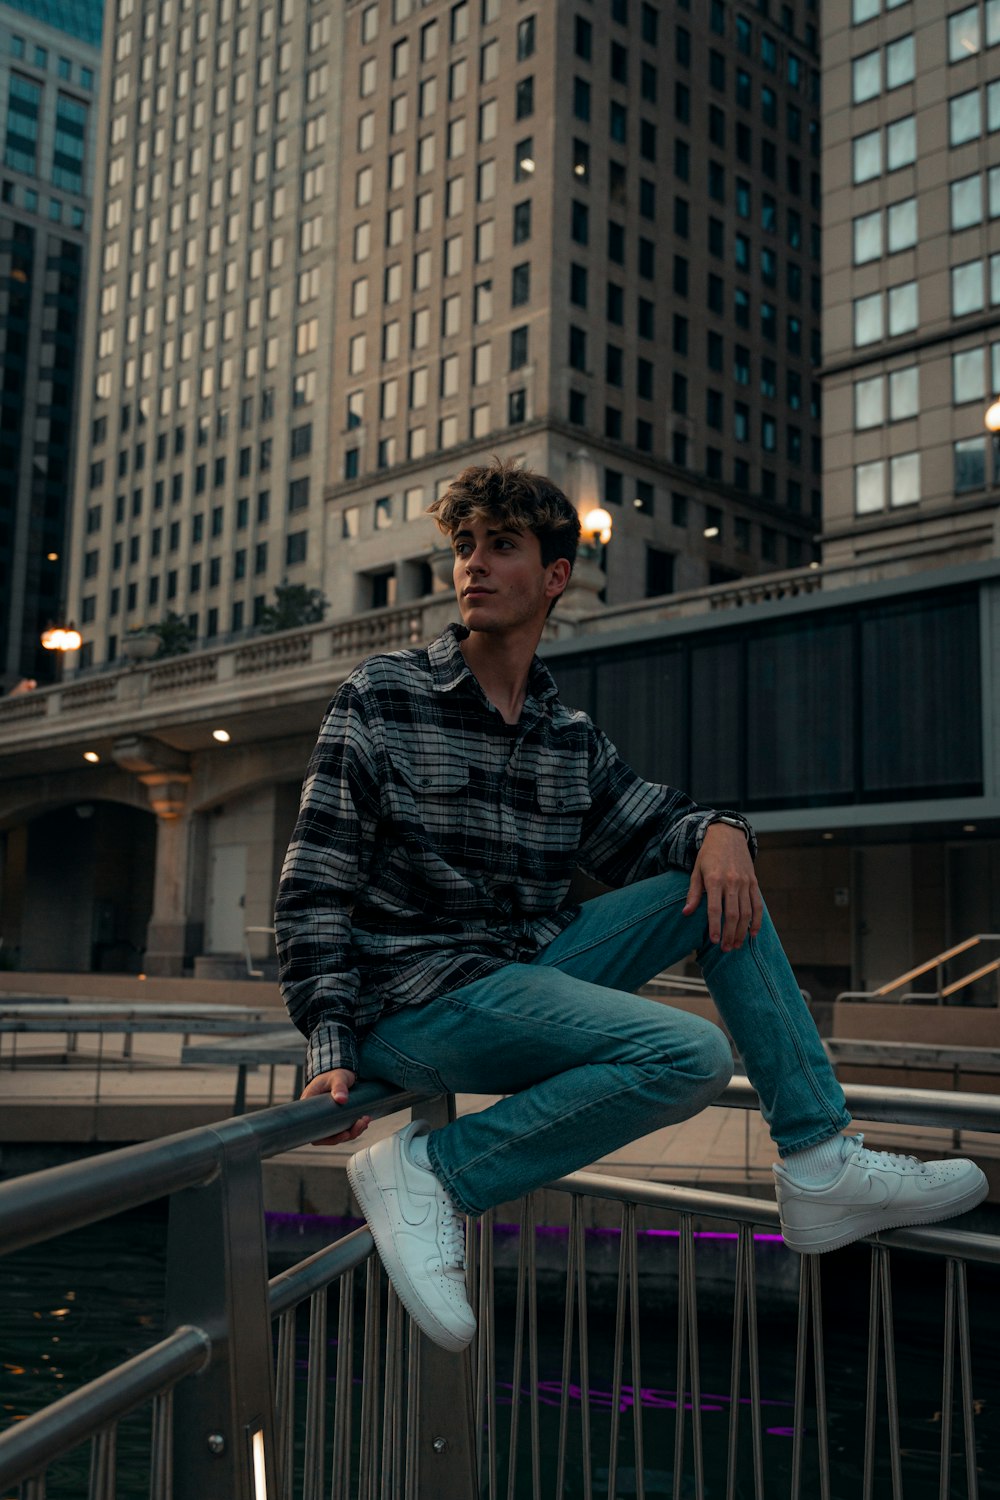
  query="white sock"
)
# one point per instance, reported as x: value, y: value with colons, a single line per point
x: 418, y: 1153
x: 816, y: 1165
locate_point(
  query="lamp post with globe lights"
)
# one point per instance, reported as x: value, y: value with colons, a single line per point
x: 588, y: 579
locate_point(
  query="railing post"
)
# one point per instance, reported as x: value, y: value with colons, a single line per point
x: 217, y: 1280
x: 445, y: 1447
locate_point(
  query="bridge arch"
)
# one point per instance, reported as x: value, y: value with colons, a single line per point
x: 76, y: 885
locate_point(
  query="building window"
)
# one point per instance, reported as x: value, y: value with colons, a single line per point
x: 967, y: 383
x: 904, y: 479
x: 902, y: 225
x: 580, y: 223
x: 577, y: 284
x: 867, y: 156
x: 967, y: 288
x: 577, y: 348
x: 869, y: 487
x: 970, y: 464
x: 964, y: 117
x: 963, y: 34
x: 865, y: 77
x: 901, y: 143
x: 899, y: 62
x: 904, y: 393
x: 867, y: 319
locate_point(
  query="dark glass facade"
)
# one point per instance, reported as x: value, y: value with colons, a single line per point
x: 852, y: 705
x: 80, y: 18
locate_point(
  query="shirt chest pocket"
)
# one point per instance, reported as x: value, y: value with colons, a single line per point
x: 562, y: 802
x: 432, y: 793
x: 426, y: 775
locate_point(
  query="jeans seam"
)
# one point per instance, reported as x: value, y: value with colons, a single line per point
x: 614, y: 932
x: 513, y: 1015
x: 805, y: 1065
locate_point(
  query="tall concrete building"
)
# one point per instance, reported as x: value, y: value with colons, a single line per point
x: 346, y: 249
x: 912, y: 302
x: 49, y: 61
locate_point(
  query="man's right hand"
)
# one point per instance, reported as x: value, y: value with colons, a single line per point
x: 338, y: 1084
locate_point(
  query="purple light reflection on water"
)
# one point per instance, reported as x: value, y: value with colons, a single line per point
x: 650, y: 1398
x: 302, y: 1220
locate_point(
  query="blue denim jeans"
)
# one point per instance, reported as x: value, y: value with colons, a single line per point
x: 586, y: 1065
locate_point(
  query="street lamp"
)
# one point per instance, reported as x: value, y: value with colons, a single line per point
x: 992, y: 416
x: 62, y: 638
x: 587, y: 581
x: 595, y: 521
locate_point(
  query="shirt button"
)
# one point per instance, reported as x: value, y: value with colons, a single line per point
x: 425, y: 781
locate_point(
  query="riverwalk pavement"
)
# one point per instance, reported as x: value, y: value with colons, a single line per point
x: 56, y: 1104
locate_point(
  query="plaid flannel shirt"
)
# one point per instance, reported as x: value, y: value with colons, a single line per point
x: 435, y: 843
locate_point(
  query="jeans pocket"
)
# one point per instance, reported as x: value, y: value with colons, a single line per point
x: 380, y: 1060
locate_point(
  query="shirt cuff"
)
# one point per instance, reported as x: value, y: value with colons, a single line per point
x: 331, y: 1045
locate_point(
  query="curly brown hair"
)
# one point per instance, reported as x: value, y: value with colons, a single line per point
x: 516, y: 498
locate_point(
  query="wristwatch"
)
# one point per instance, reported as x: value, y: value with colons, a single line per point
x: 732, y: 822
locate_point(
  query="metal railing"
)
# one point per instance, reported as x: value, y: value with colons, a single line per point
x: 407, y: 1422
x: 943, y: 991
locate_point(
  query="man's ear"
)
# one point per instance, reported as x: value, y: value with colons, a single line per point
x: 559, y: 572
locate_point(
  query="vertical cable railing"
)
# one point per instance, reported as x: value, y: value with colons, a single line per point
x: 363, y: 1408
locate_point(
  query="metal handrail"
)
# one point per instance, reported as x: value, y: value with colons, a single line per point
x: 40, y: 1205
x: 937, y: 962
x: 252, y: 972
x: 46, y: 1435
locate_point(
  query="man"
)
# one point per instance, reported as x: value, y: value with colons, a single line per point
x: 425, y: 935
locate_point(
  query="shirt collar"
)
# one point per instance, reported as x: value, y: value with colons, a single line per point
x: 449, y: 667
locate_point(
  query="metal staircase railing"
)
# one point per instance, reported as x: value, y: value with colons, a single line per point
x: 943, y: 991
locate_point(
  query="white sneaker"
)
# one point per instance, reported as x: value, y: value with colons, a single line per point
x: 873, y: 1190
x: 418, y: 1234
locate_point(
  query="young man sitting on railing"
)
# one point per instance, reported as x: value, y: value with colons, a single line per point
x: 425, y: 937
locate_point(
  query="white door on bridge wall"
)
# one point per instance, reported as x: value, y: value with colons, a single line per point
x: 227, y: 888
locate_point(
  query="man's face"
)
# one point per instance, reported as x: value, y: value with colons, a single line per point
x: 500, y: 581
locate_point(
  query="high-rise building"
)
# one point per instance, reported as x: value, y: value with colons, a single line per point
x: 345, y: 250
x: 911, y: 243
x: 49, y: 61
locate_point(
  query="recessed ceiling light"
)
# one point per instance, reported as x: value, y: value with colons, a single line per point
x: 968, y: 827
x: 222, y: 735
x: 92, y: 756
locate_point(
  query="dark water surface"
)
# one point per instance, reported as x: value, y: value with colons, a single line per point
x: 73, y: 1308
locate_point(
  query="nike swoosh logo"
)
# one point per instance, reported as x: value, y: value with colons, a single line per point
x: 877, y: 1192
x: 414, y: 1223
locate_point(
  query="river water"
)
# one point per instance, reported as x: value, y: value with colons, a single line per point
x: 73, y: 1308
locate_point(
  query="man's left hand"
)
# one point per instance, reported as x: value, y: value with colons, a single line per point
x: 724, y: 873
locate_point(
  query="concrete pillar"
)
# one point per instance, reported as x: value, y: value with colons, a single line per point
x: 172, y: 938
